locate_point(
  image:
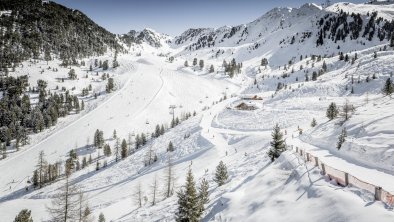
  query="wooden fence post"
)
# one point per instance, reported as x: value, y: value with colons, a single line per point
x: 307, y: 157
x: 323, y: 169
x: 346, y: 179
x: 316, y: 161
x: 378, y: 193
x: 296, y: 149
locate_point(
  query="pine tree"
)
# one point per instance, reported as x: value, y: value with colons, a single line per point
x: 170, y: 147
x: 186, y: 64
x: 162, y: 131
x: 313, y: 123
x: 194, y: 61
x: 117, y: 150
x: 341, y: 138
x: 72, y: 75
x: 124, y: 149
x: 101, y: 218
x: 388, y: 87
x: 211, y: 69
x: 332, y: 111
x: 278, y: 145
x: 24, y: 216
x: 392, y: 40
x: 221, y: 175
x: 4, y: 150
x: 107, y: 150
x: 157, y: 130
x: 114, y: 136
x: 203, y: 194
x: 201, y: 64
x: 188, y: 207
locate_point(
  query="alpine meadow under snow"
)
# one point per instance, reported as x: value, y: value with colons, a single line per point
x: 256, y: 122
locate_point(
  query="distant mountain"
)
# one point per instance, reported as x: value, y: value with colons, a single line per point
x: 148, y: 36
x: 287, y: 33
x: 32, y: 28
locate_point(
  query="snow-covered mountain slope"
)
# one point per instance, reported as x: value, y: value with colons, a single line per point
x: 283, y: 34
x: 289, y: 189
x: 148, y: 36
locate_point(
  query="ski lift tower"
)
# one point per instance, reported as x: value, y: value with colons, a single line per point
x: 172, y: 108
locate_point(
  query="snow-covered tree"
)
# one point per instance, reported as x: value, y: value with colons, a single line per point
x: 24, y: 216
x: 203, y: 194
x: 341, y: 138
x: 101, y: 218
x: 170, y: 147
x: 221, y: 175
x: 278, y: 144
x: 332, y: 111
x: 388, y: 87
x: 188, y: 202
x: 313, y: 123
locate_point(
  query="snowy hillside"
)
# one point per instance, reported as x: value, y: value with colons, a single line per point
x: 194, y: 110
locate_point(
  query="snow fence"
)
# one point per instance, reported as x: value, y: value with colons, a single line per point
x: 346, y: 179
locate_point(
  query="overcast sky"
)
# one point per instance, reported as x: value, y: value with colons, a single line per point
x: 175, y: 16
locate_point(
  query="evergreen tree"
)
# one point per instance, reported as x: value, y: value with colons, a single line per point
x: 211, y: 69
x: 170, y: 147
x: 101, y: 218
x: 388, y: 87
x: 203, y: 194
x: 278, y: 144
x: 107, y: 150
x: 186, y: 64
x: 201, y: 64
x: 162, y: 131
x: 117, y: 150
x: 110, y: 85
x: 124, y: 149
x: 194, y: 61
x: 314, y: 123
x: 72, y: 75
x: 24, y: 216
x: 332, y: 111
x: 114, y: 136
x: 341, y: 138
x: 221, y: 175
x: 188, y: 207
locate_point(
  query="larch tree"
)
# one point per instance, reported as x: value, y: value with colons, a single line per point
x: 169, y: 178
x: 138, y: 195
x: 64, y: 205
